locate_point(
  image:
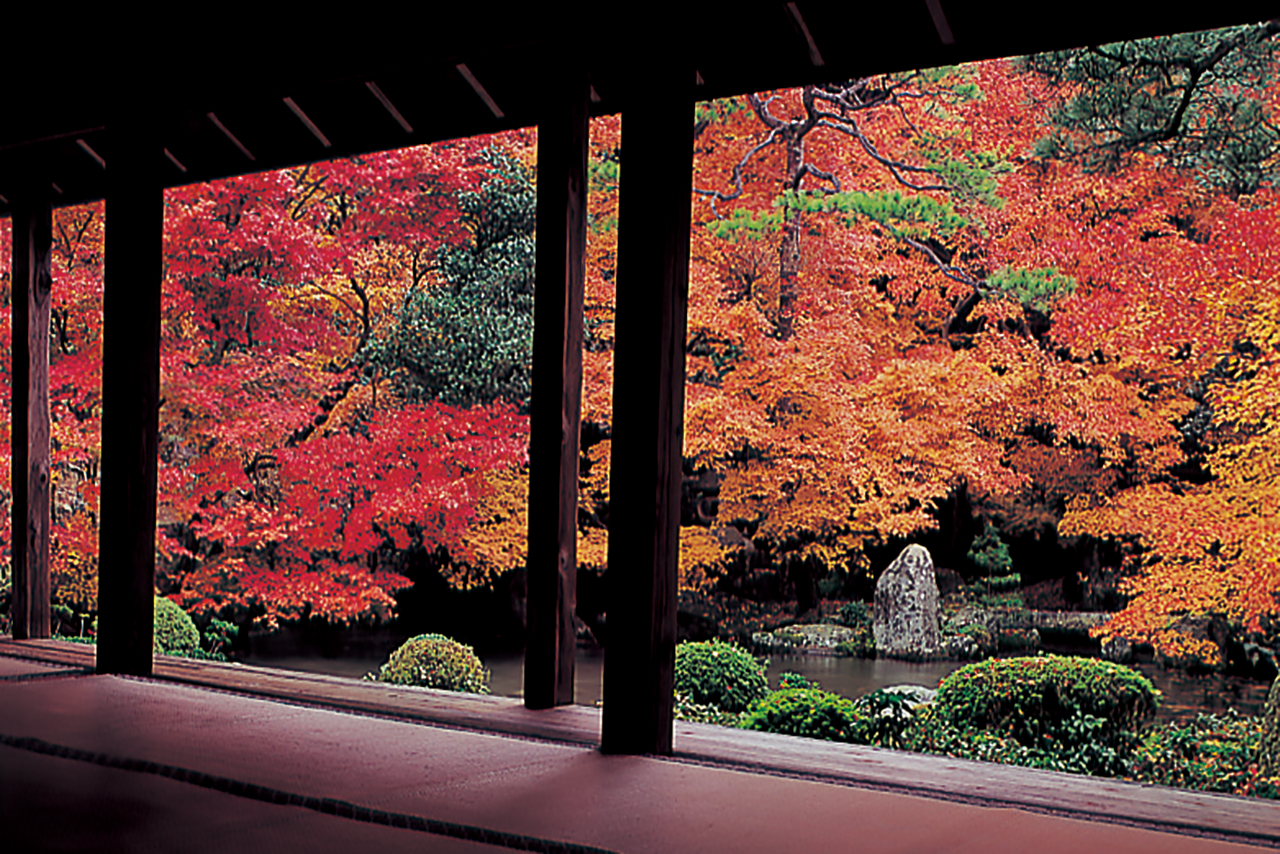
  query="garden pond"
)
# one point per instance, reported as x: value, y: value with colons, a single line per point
x: 361, y: 652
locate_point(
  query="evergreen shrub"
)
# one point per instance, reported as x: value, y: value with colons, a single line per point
x: 990, y: 554
x: 791, y: 679
x: 720, y: 674
x: 857, y: 616
x: 1214, y: 753
x: 435, y: 661
x: 1083, y: 714
x: 175, y: 633
x: 810, y: 713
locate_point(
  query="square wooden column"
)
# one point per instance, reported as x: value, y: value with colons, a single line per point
x: 557, y: 386
x: 29, y: 471
x: 130, y: 388
x: 648, y: 392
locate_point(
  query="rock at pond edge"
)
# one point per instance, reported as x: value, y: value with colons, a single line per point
x: 905, y: 622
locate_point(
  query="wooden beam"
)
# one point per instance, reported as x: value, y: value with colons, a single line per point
x: 557, y: 387
x: 130, y: 388
x: 29, y: 471
x: 648, y: 394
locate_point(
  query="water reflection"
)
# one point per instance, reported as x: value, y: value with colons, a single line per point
x: 1185, y: 695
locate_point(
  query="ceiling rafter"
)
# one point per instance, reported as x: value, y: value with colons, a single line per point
x: 365, y: 97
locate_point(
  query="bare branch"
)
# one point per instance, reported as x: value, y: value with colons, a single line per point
x: 810, y: 169
x: 762, y: 110
x: 976, y: 288
x: 716, y: 195
x: 895, y: 167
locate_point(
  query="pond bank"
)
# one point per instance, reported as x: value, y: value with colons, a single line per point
x: 1185, y: 695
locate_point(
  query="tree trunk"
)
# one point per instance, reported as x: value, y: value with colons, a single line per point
x: 789, y: 254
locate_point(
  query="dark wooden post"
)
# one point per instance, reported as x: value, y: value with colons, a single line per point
x: 29, y: 473
x: 648, y: 394
x: 130, y: 387
x: 557, y: 386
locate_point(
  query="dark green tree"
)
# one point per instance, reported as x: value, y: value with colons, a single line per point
x: 468, y: 339
x: 1199, y: 100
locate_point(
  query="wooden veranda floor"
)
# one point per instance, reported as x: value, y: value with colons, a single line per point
x: 267, y: 756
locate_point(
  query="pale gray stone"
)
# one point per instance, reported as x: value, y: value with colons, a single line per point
x: 905, y: 622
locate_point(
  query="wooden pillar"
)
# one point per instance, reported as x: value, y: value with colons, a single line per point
x: 648, y: 393
x: 557, y: 385
x: 29, y: 472
x: 130, y: 386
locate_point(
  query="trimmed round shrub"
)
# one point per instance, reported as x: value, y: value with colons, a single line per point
x: 1082, y: 712
x: 720, y: 674
x: 809, y: 713
x: 1019, y: 695
x: 175, y: 633
x: 435, y: 661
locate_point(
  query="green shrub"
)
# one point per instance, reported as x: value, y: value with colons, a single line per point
x: 854, y: 614
x: 216, y: 639
x: 175, y: 633
x: 1215, y: 753
x: 705, y: 713
x: 1081, y: 712
x: 718, y: 673
x: 791, y: 679
x: 1016, y: 694
x: 809, y: 713
x: 857, y: 616
x: 886, y: 715
x: 435, y: 661
x: 928, y: 732
x: 1269, y: 749
x: 989, y: 553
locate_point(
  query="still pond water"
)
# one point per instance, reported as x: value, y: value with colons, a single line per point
x: 1185, y: 695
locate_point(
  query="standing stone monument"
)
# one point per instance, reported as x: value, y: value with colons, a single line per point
x: 905, y: 623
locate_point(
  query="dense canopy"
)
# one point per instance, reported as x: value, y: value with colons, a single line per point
x: 1035, y: 301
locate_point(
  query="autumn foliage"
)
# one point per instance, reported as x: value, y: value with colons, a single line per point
x: 304, y: 447
x: 920, y: 303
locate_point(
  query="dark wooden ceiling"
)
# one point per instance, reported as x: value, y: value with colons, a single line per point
x: 256, y: 77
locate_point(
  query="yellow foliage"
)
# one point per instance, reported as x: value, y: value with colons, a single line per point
x: 497, y: 541
x: 1210, y: 549
x: 593, y: 548
x: 701, y: 556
